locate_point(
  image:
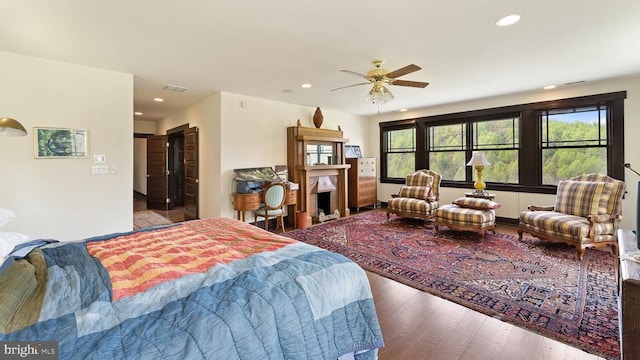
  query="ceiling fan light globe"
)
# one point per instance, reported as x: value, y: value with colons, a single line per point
x: 379, y: 95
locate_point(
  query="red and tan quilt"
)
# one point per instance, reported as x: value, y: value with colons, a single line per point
x: 140, y: 260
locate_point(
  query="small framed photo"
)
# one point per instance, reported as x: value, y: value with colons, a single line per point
x: 352, y: 151
x: 51, y: 143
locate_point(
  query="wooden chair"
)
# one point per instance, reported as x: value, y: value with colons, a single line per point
x: 274, y: 196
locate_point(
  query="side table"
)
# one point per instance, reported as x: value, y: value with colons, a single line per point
x: 487, y: 196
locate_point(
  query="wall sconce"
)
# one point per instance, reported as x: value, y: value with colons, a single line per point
x: 479, y: 161
x: 11, y: 127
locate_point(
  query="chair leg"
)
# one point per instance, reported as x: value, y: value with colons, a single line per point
x: 266, y: 221
x: 282, y: 223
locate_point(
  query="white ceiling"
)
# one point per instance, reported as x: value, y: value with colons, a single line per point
x: 267, y: 49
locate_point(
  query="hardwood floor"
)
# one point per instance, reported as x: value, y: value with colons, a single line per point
x: 418, y: 325
x: 140, y: 204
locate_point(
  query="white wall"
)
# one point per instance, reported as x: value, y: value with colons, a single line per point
x: 232, y: 137
x: 59, y: 198
x: 512, y: 203
x: 140, y: 154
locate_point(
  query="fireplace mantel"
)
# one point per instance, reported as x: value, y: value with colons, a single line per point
x: 299, y: 140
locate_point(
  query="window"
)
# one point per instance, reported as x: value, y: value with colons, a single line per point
x: 499, y: 140
x: 450, y: 147
x: 447, y: 150
x: 398, y: 151
x: 530, y: 146
x: 574, y: 142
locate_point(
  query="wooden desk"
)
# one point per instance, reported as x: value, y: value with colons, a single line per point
x: 249, y: 202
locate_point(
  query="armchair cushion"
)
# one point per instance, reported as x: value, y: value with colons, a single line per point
x: 570, y: 227
x: 476, y: 203
x: 582, y: 198
x: 419, y: 178
x: 416, y: 192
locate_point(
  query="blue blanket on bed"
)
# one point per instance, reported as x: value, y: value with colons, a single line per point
x: 297, y: 302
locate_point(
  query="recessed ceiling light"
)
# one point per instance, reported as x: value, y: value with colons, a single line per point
x: 549, y: 87
x: 137, y: 113
x: 305, y: 85
x: 158, y: 99
x: 403, y: 110
x: 508, y: 20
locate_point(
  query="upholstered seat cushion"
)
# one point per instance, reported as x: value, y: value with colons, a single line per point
x: 412, y: 205
x: 454, y: 214
x: 568, y: 226
x: 273, y: 212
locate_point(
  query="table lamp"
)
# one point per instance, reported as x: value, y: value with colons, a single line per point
x: 479, y: 161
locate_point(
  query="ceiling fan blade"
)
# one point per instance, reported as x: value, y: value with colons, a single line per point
x: 417, y: 84
x: 343, y: 87
x: 355, y: 73
x: 403, y: 71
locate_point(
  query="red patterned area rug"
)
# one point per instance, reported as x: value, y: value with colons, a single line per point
x: 529, y: 283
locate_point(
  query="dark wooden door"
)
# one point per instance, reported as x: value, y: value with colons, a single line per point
x: 191, y: 174
x: 157, y: 172
x: 176, y: 169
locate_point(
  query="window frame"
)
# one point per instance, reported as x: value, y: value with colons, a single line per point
x: 530, y: 153
x: 386, y: 127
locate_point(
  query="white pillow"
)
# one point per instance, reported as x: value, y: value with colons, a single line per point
x: 8, y: 241
x: 6, y: 215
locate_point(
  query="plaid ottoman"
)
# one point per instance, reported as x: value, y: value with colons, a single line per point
x: 466, y: 219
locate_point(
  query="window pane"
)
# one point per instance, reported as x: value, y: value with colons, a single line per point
x: 401, y: 140
x: 561, y: 164
x: 449, y: 164
x: 575, y: 127
x: 399, y: 165
x: 447, y: 137
x: 496, y: 134
x: 503, y: 168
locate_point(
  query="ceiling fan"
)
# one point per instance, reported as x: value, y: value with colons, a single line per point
x: 380, y: 77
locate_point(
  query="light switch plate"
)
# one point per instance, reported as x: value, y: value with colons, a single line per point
x: 99, y: 170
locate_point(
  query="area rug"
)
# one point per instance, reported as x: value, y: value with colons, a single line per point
x: 148, y: 218
x: 532, y: 284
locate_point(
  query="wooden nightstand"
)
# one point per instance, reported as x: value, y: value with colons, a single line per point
x: 481, y: 196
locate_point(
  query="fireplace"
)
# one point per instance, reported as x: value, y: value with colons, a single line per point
x: 323, y: 184
x: 324, y: 198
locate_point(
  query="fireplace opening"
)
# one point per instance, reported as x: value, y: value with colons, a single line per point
x: 324, y: 202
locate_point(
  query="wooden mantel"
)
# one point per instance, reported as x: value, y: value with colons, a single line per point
x: 298, y: 138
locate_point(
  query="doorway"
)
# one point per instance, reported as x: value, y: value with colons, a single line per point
x: 172, y: 171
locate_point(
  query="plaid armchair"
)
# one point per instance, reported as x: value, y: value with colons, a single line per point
x: 586, y: 214
x: 418, y: 198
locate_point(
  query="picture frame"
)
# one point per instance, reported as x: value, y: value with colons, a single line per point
x: 352, y: 151
x: 60, y: 143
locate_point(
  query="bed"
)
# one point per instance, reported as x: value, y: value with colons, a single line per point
x: 214, y: 288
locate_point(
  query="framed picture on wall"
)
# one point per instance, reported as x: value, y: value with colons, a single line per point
x: 51, y: 143
x: 352, y: 151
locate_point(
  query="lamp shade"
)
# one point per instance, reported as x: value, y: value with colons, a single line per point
x: 11, y: 127
x: 379, y: 95
x: 478, y: 159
